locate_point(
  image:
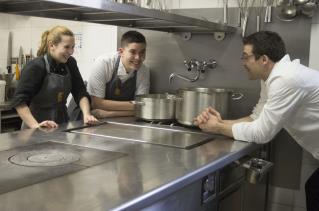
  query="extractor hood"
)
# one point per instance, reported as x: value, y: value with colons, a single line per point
x: 109, y: 12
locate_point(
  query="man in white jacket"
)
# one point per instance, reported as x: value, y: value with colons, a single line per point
x: 289, y: 99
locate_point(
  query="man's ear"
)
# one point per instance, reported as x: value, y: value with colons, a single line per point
x: 120, y: 50
x: 265, y: 59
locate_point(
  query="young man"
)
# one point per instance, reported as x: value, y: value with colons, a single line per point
x: 116, y: 79
x: 289, y: 99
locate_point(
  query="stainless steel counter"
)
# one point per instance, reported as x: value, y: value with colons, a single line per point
x: 144, y: 175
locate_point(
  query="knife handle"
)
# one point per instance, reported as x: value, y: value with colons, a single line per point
x: 9, y: 69
x: 17, y: 72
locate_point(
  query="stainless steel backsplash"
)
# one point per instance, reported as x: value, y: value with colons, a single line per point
x: 167, y: 51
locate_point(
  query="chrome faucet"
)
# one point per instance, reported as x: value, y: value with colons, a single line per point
x: 200, y: 67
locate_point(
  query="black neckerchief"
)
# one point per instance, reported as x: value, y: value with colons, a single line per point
x: 57, y: 68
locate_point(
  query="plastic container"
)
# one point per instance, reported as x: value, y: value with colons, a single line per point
x: 2, y: 90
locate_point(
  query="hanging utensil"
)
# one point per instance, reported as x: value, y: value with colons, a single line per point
x: 259, y: 9
x: 240, y: 12
x: 308, y: 9
x: 300, y: 2
x: 268, y: 12
x: 247, y: 5
x: 288, y: 12
x: 225, y: 12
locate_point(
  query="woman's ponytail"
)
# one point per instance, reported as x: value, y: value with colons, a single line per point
x: 44, y: 44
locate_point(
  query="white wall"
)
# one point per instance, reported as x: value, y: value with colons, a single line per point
x: 91, y: 39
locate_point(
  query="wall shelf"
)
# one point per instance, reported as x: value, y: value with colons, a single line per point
x: 112, y: 13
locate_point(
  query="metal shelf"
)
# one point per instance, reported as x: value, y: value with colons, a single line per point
x: 112, y: 13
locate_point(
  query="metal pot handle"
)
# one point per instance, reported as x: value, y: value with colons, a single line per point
x: 139, y: 103
x: 179, y: 98
x: 237, y: 96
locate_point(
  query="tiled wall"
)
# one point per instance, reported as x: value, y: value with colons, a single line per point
x: 91, y: 39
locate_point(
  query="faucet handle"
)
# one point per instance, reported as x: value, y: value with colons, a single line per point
x: 188, y: 64
x: 211, y: 63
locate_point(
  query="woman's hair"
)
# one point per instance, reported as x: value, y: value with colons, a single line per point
x: 55, y: 36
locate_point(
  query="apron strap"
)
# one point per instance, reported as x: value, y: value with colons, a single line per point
x: 47, y: 66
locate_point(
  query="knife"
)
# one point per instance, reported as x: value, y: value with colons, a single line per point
x: 20, y: 59
x: 9, y: 54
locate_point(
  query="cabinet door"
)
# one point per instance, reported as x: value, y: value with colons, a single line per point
x: 232, y: 201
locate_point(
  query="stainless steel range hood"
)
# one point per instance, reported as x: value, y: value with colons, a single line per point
x: 109, y: 12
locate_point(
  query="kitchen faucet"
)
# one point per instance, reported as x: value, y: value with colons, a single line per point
x: 200, y: 67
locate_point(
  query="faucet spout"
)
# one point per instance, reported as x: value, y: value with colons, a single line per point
x: 173, y: 75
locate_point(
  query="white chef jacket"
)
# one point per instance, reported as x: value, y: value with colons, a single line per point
x: 289, y: 99
x: 102, y: 72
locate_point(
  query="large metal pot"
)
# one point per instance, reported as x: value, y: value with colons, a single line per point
x: 158, y: 107
x: 192, y: 101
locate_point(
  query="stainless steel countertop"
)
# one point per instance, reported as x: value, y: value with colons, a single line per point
x: 148, y: 172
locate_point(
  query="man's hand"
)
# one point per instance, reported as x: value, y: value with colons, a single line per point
x: 211, y: 125
x: 203, y: 117
x: 98, y: 113
x: 208, y: 120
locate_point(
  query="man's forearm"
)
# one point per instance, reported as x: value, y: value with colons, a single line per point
x: 100, y: 114
x: 111, y: 105
x: 244, y: 119
x: 225, y: 127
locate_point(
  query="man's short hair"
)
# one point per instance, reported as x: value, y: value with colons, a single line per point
x: 266, y: 43
x: 132, y: 37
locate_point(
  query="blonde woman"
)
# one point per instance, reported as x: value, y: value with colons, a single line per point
x: 46, y: 82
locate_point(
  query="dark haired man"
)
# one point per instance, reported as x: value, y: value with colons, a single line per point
x: 289, y: 99
x: 116, y: 79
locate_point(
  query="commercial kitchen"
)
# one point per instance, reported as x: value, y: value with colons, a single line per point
x: 141, y: 162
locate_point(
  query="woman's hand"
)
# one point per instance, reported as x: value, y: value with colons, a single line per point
x: 47, y: 124
x: 89, y: 119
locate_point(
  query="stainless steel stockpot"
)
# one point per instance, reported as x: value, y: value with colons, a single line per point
x: 192, y: 101
x: 155, y: 107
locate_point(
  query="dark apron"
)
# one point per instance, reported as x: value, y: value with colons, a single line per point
x: 50, y: 102
x: 116, y: 90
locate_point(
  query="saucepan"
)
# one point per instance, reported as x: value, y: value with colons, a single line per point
x: 155, y: 107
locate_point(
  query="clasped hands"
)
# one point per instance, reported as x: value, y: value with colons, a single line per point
x: 209, y: 120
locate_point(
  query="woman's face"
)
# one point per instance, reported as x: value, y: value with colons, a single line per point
x: 62, y: 51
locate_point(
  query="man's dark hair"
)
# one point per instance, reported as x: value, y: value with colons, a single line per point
x: 266, y: 43
x: 132, y: 37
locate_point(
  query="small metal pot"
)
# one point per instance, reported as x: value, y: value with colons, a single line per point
x: 155, y: 107
x: 191, y: 102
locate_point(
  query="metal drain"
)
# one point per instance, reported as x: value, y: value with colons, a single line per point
x: 44, y: 158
